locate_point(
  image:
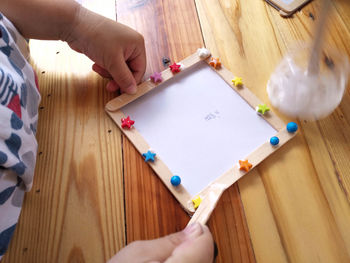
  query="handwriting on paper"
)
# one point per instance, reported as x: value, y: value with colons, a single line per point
x: 212, y: 115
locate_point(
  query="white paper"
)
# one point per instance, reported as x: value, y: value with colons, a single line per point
x: 198, y: 125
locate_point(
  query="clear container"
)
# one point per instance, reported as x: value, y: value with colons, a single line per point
x: 297, y: 93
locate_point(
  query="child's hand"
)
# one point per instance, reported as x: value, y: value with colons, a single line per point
x: 192, y: 245
x: 117, y: 50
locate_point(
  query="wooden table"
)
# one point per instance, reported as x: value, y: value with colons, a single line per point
x: 93, y: 193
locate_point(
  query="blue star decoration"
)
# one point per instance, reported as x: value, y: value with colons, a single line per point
x: 149, y: 156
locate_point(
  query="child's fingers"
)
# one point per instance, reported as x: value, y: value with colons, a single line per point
x: 123, y: 76
x: 137, y: 72
x: 101, y: 71
x: 112, y: 86
x: 159, y: 250
x: 198, y: 250
x: 137, y: 65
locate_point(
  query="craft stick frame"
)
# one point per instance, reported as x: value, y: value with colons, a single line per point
x: 113, y: 108
x: 287, y: 8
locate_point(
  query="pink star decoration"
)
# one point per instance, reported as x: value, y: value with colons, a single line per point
x: 127, y: 122
x: 156, y: 77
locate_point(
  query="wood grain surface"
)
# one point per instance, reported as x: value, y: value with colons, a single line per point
x: 296, y: 202
x: 93, y: 192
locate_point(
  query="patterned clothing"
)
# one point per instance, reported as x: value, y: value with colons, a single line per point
x: 19, y: 100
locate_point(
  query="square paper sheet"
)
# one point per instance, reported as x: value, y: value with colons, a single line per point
x: 198, y: 126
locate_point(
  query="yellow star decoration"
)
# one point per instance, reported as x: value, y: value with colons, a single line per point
x: 237, y: 81
x: 262, y: 108
x: 197, y: 200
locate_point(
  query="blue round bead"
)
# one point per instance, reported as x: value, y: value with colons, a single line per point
x: 175, y: 180
x: 292, y: 127
x: 274, y: 140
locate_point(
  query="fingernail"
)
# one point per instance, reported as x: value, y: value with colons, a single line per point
x: 131, y: 89
x: 193, y: 231
x: 216, y: 251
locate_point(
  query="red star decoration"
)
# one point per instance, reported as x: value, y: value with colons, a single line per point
x: 175, y: 68
x: 245, y: 165
x: 127, y: 122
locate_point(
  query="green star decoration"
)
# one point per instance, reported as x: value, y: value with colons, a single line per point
x: 262, y: 108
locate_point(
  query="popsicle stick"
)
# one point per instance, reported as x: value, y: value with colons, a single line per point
x: 214, y: 191
x: 148, y: 85
x: 207, y: 206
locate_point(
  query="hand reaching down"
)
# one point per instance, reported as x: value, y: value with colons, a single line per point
x: 117, y: 50
x: 192, y: 245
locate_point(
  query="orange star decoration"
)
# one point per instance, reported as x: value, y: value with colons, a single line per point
x: 245, y: 165
x: 215, y: 63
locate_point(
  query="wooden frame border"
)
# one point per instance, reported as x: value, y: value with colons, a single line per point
x: 287, y: 9
x: 232, y: 175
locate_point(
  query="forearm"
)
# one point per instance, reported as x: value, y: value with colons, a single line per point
x: 41, y: 19
x: 117, y: 50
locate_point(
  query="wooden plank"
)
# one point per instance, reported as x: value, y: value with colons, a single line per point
x: 229, y: 227
x: 268, y: 238
x: 343, y: 10
x: 150, y: 210
x: 171, y: 29
x: 74, y: 212
x: 302, y: 194
x: 328, y: 139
